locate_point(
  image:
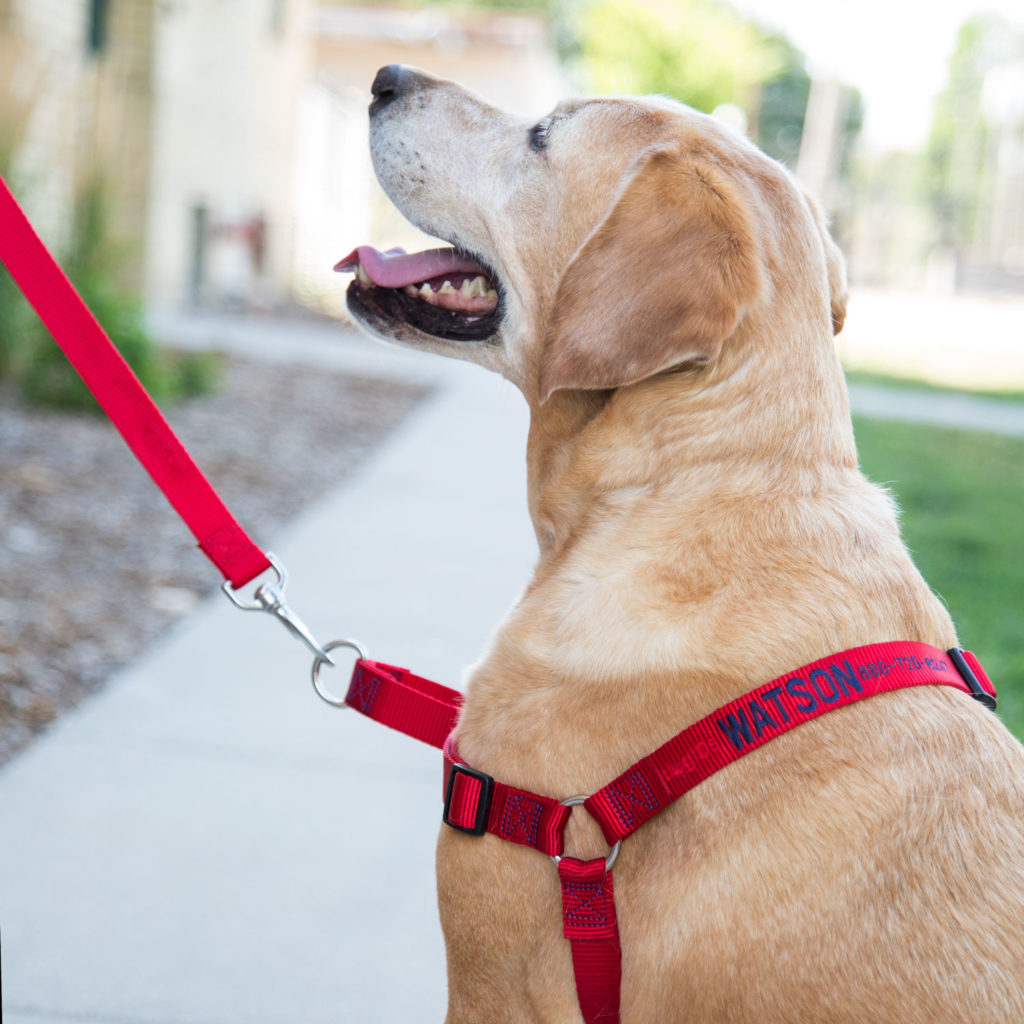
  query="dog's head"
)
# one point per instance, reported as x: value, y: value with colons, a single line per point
x: 611, y: 241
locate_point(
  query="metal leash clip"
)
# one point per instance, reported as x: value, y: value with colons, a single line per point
x: 269, y: 597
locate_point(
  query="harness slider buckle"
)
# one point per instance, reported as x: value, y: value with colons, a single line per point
x: 483, y: 805
x: 978, y: 692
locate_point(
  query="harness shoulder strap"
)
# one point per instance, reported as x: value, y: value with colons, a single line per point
x: 749, y: 722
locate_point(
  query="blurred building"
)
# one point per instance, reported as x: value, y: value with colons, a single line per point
x: 187, y: 109
x: 233, y: 133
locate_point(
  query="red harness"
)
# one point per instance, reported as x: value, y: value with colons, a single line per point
x: 474, y: 802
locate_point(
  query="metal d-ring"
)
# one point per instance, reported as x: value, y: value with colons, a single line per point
x: 319, y: 662
x: 613, y: 853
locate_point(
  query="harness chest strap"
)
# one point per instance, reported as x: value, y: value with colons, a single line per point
x: 476, y: 803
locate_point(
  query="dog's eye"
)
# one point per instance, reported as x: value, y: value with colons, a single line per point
x: 539, y: 134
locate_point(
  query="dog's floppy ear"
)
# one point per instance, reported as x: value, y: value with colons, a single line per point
x: 836, y: 266
x: 662, y: 281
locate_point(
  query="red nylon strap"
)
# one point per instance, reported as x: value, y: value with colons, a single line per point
x: 507, y: 811
x: 590, y: 925
x: 123, y: 398
x: 475, y: 802
x: 428, y: 712
x: 749, y: 722
x: 396, y: 698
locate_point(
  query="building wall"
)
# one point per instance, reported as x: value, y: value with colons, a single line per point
x: 122, y: 125
x: 226, y: 80
x: 90, y: 114
x: 235, y: 131
x: 53, y: 65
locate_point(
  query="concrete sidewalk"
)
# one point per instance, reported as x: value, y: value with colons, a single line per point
x: 206, y: 842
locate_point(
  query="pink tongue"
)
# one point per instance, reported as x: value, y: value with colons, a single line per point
x: 395, y: 269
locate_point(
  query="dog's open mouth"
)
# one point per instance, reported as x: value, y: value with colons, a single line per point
x: 441, y: 291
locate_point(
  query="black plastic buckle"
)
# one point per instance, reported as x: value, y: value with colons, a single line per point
x: 483, y: 806
x: 978, y: 692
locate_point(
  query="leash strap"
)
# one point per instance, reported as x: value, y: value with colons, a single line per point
x: 122, y: 397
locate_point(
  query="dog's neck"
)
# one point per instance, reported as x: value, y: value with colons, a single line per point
x: 705, y: 428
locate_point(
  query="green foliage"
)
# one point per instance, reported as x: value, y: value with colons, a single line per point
x: 698, y: 51
x: 961, y: 495
x: 527, y: 5
x: 701, y: 52
x: 30, y: 357
x: 15, y: 325
x: 783, y: 105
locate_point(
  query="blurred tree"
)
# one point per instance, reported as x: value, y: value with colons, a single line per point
x: 955, y: 154
x: 698, y: 51
x: 782, y: 104
x: 701, y: 52
x: 91, y: 259
x: 91, y: 256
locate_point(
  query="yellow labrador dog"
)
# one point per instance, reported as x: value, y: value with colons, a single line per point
x: 665, y: 297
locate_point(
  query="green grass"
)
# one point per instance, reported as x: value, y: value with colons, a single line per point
x: 962, y: 495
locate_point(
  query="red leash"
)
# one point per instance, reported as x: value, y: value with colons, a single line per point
x: 143, y: 427
x: 123, y: 398
x: 474, y: 802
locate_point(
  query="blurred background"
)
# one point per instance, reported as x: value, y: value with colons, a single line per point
x: 223, y: 144
x: 198, y: 159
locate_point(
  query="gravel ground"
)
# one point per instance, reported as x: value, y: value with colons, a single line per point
x: 94, y: 564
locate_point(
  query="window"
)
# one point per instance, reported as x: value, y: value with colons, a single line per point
x: 99, y: 17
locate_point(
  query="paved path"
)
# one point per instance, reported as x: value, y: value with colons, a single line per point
x: 320, y: 343
x: 205, y: 842
x: 955, y: 409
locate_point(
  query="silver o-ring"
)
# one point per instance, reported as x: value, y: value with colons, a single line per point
x: 613, y: 853
x: 318, y: 663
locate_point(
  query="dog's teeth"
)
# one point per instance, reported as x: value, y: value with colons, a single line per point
x: 426, y: 289
x: 411, y: 289
x: 364, y: 277
x: 491, y: 294
x: 474, y: 288
x: 447, y: 289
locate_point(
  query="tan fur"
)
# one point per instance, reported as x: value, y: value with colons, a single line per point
x: 670, y: 298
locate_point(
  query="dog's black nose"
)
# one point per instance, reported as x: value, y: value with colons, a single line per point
x: 390, y: 83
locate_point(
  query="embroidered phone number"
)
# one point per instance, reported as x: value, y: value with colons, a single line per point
x: 877, y: 669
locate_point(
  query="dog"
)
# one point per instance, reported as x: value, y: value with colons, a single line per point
x: 665, y: 297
